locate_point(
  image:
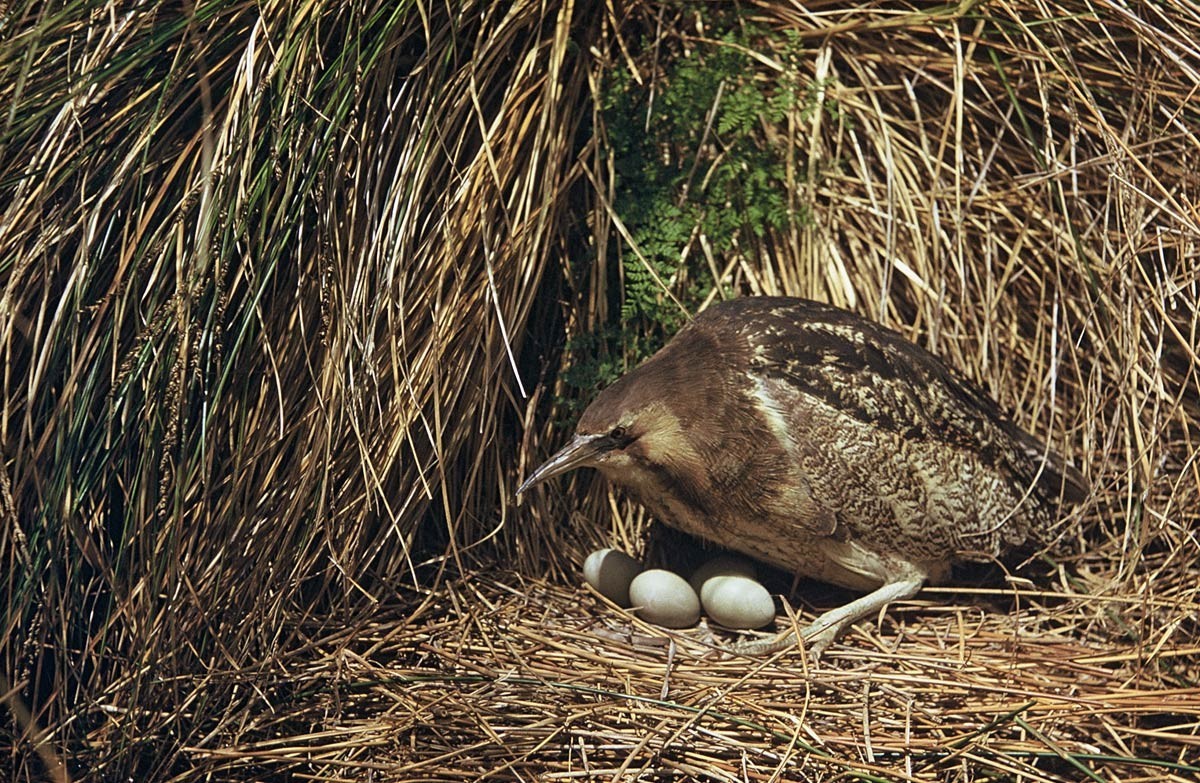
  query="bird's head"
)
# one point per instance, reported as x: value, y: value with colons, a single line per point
x: 628, y: 430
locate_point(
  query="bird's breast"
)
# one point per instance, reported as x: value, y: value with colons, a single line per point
x: 675, y: 499
x: 740, y: 505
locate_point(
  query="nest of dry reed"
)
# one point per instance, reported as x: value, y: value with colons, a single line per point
x: 291, y: 297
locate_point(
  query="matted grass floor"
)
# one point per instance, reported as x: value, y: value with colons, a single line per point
x: 497, y: 676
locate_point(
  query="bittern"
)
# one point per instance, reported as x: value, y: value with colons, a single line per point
x: 824, y: 444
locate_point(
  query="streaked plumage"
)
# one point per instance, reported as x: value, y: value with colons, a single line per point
x: 822, y: 443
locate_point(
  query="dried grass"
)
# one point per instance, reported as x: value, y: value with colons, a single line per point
x: 276, y: 281
x: 518, y: 678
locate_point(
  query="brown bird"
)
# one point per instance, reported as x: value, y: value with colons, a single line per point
x: 819, y: 442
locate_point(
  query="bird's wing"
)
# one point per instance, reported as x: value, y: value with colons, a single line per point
x: 878, y: 378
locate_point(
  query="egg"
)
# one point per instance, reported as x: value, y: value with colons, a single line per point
x: 738, y: 602
x: 610, y: 571
x: 722, y: 565
x: 664, y: 598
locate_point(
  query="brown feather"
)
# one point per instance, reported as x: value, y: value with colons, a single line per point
x: 768, y: 424
x: 822, y: 443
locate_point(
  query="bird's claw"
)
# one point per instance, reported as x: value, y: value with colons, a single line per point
x: 817, y: 637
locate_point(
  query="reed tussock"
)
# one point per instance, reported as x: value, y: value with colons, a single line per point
x: 292, y: 296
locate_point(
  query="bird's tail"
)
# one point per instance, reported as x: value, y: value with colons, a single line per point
x: 1057, y: 478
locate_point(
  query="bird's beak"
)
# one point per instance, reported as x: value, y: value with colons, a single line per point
x: 581, y: 451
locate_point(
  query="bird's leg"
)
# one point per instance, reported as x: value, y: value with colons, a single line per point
x: 830, y: 625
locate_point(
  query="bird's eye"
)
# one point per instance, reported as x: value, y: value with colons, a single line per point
x: 619, y: 434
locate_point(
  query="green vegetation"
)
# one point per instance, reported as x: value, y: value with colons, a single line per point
x: 696, y: 179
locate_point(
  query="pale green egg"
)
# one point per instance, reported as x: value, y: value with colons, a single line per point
x: 665, y: 599
x: 611, y: 571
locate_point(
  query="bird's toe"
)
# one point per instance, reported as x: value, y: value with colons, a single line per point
x: 818, y: 636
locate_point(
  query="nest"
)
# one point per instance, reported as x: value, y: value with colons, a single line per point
x: 503, y: 677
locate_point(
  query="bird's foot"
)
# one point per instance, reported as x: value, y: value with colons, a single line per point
x: 756, y: 647
x: 830, y: 625
x: 816, y: 637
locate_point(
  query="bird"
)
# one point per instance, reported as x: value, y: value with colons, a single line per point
x: 822, y: 443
